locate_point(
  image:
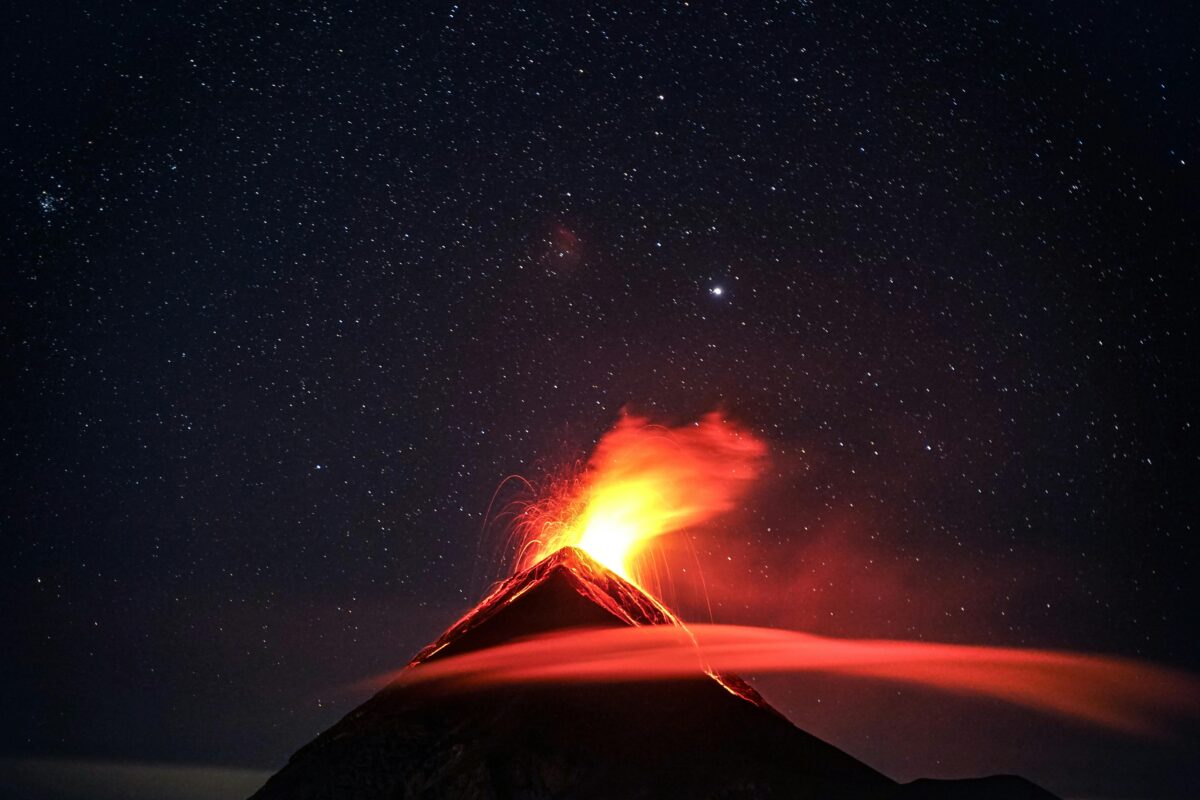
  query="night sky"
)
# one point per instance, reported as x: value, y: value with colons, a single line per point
x: 289, y: 290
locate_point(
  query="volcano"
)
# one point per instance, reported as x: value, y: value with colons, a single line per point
x: 710, y: 736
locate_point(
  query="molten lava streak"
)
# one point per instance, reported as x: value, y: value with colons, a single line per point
x: 643, y: 481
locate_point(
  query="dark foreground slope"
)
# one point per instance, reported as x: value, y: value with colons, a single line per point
x: 696, y: 738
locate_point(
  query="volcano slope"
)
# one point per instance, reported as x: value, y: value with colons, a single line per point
x: 704, y: 737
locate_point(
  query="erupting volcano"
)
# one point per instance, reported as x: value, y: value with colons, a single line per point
x: 696, y: 737
x: 570, y: 680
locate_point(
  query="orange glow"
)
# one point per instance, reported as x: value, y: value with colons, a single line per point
x: 643, y: 481
x: 1117, y: 693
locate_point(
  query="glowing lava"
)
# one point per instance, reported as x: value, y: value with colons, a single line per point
x: 643, y: 481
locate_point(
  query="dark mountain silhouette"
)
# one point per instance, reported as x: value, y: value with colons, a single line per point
x: 704, y: 737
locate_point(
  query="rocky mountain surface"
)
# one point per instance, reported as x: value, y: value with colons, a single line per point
x: 705, y: 737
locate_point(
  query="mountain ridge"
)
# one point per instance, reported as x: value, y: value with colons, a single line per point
x: 711, y: 736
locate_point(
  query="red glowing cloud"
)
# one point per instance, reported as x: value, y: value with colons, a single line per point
x: 1117, y: 693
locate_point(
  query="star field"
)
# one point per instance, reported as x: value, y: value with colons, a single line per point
x: 291, y: 288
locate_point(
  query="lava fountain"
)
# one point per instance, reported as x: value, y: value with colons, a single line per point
x: 643, y: 481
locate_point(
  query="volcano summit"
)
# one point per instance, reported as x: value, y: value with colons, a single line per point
x: 701, y: 737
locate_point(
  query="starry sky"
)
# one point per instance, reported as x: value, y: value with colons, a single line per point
x: 290, y: 288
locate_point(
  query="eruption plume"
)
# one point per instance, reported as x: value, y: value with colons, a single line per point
x: 643, y: 481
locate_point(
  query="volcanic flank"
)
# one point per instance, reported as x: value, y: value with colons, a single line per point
x: 701, y: 737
